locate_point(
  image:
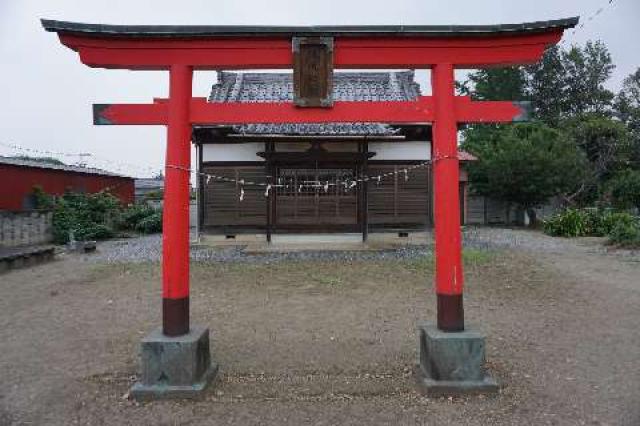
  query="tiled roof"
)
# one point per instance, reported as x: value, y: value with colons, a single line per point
x: 347, y: 86
x: 62, y: 167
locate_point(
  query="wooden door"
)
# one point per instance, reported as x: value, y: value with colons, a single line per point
x: 315, y: 199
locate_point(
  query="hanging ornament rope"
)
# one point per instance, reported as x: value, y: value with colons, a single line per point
x: 346, y: 184
x: 242, y: 183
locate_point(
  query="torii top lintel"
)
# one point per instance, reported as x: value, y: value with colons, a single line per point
x: 269, y: 47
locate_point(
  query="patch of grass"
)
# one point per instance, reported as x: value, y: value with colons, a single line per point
x: 476, y: 257
x: 107, y: 271
x: 102, y: 271
x: 424, y: 263
x: 328, y: 280
x: 470, y: 257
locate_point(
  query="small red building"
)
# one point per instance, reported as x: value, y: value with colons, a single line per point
x: 18, y: 177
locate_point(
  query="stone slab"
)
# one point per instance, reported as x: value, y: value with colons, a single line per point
x: 174, y: 367
x: 24, y: 256
x: 142, y: 392
x: 430, y: 387
x: 452, y: 363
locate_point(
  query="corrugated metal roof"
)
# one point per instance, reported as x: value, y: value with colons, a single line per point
x: 65, y: 167
x: 347, y: 86
x: 149, y: 183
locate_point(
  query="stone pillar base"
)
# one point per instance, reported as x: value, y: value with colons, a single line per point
x: 452, y: 363
x: 174, y: 367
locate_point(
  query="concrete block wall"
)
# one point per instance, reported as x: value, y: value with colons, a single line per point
x: 25, y: 228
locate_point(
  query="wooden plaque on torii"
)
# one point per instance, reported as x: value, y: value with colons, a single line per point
x: 312, y: 71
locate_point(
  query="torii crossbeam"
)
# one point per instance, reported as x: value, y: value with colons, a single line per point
x: 183, y: 49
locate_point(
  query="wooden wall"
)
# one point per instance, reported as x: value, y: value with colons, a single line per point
x: 393, y: 203
x: 221, y: 203
x: 396, y: 202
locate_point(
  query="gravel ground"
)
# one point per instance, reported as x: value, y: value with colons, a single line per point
x: 328, y: 341
x: 148, y: 248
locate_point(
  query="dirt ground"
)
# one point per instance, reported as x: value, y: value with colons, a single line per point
x: 326, y: 343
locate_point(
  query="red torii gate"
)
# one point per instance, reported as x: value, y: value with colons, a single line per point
x: 183, y: 49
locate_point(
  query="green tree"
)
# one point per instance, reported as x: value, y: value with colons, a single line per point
x: 627, y: 110
x: 605, y: 143
x: 523, y: 164
x: 506, y: 84
x: 565, y: 83
x: 625, y: 189
x: 546, y: 87
x: 586, y: 70
x: 567, y: 90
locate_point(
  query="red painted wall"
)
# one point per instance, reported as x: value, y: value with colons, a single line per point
x: 17, y: 182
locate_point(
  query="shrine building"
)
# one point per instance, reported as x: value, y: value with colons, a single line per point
x: 309, y: 161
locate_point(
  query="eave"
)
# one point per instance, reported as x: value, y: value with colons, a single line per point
x: 151, y: 47
x: 206, y: 31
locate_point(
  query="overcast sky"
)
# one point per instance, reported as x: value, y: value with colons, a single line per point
x: 46, y: 93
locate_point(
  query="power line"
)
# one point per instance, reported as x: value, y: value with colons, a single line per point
x: 242, y: 183
x: 117, y: 165
x: 589, y: 19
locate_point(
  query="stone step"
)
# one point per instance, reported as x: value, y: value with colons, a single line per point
x: 24, y: 256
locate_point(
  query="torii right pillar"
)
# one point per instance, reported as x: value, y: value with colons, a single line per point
x: 452, y: 357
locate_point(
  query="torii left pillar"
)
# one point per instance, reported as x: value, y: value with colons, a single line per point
x: 175, y: 360
x: 175, y: 238
x: 449, y: 277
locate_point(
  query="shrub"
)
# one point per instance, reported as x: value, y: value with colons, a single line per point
x: 95, y: 216
x: 96, y: 231
x: 134, y: 214
x: 611, y: 220
x: 626, y: 234
x: 42, y: 200
x: 568, y: 223
x: 150, y: 224
x: 585, y: 222
x: 142, y: 218
x: 86, y: 216
x: 621, y: 228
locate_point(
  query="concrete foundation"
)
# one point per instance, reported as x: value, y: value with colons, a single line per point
x: 174, y: 367
x: 452, y: 363
x: 257, y: 243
